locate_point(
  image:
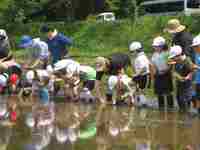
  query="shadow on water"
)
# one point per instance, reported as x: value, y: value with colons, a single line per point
x: 99, y: 127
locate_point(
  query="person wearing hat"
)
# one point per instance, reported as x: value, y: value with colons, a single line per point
x: 196, y: 47
x: 57, y: 43
x: 180, y: 36
x: 183, y: 72
x: 4, y: 45
x: 141, y: 66
x: 36, y: 49
x: 68, y: 71
x: 163, y: 84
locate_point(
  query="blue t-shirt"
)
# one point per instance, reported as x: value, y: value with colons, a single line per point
x: 57, y: 46
x: 197, y: 73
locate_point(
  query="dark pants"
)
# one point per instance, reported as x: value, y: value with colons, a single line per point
x: 184, y: 95
x: 163, y: 87
x: 161, y: 101
x: 141, y: 81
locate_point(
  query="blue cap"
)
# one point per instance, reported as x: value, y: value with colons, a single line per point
x: 25, y: 41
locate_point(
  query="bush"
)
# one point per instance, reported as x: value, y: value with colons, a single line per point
x: 92, y: 38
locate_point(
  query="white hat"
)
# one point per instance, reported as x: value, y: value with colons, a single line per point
x: 72, y: 69
x: 60, y: 65
x: 159, y: 41
x: 196, y: 41
x: 3, y: 33
x: 3, y: 80
x: 175, y: 51
x: 30, y: 75
x: 135, y: 46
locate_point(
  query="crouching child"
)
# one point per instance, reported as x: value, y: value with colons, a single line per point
x: 120, y: 89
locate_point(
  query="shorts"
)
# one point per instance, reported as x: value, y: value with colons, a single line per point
x: 197, y: 89
x: 163, y: 83
x: 184, y: 92
x: 89, y: 84
x: 99, y: 75
x: 141, y: 81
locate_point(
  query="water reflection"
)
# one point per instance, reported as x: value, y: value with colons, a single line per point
x: 84, y: 127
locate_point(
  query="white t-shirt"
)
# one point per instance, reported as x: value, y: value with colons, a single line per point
x: 141, y: 62
x: 42, y: 47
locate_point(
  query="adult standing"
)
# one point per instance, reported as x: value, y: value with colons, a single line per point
x: 57, y: 43
x: 180, y: 36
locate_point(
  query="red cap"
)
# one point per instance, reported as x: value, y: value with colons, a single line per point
x: 14, y: 78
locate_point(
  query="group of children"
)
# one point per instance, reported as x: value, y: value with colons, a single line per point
x: 165, y: 65
x: 40, y: 77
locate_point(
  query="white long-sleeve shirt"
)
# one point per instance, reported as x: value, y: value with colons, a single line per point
x: 141, y: 63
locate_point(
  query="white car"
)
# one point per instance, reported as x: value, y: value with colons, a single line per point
x: 106, y: 17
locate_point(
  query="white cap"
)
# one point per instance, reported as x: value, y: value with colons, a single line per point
x: 135, y: 46
x: 3, y: 80
x: 62, y: 64
x: 196, y: 41
x: 72, y: 69
x: 30, y: 76
x: 175, y: 51
x: 159, y: 41
x: 3, y: 33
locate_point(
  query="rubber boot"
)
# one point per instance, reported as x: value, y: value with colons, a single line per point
x: 170, y: 101
x: 161, y: 102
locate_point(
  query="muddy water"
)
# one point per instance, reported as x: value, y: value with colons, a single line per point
x: 95, y: 127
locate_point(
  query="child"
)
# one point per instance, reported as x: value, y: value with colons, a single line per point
x: 141, y: 66
x: 196, y: 47
x: 68, y: 70
x: 119, y: 89
x: 109, y: 65
x: 39, y: 82
x: 38, y: 50
x: 163, y: 84
x: 183, y: 71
